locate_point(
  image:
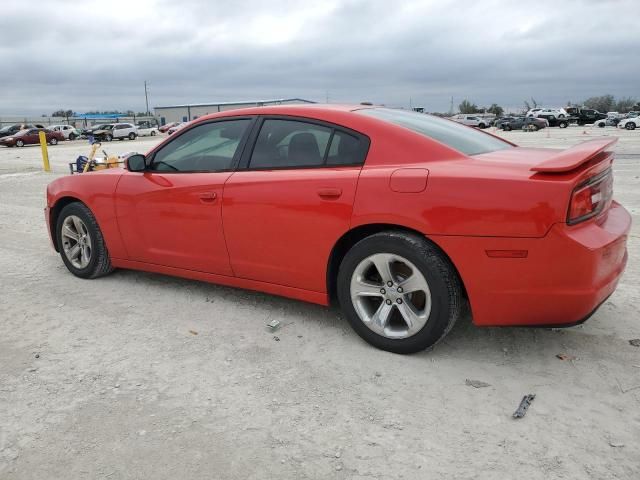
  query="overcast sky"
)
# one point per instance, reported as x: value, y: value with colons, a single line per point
x: 87, y: 55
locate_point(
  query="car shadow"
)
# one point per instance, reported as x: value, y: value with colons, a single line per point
x: 485, y: 345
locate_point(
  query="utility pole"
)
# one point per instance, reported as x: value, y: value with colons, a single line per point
x: 146, y: 97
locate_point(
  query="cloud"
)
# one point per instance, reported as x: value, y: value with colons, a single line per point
x: 80, y: 55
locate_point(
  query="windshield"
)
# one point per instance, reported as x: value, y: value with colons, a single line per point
x: 5, y: 129
x: 455, y: 135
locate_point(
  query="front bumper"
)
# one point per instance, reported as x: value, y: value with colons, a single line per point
x: 565, y: 276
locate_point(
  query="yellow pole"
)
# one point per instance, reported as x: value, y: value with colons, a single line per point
x: 45, y: 152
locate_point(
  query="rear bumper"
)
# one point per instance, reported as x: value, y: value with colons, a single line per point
x: 565, y: 276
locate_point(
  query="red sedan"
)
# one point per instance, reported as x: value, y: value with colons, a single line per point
x: 401, y: 217
x: 31, y: 136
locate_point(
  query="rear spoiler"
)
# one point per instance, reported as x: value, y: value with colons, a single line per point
x: 573, y: 157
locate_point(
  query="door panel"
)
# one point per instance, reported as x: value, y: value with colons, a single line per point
x: 280, y: 225
x: 174, y: 219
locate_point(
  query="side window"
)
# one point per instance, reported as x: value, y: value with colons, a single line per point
x: 206, y: 148
x: 299, y: 144
x: 290, y: 143
x: 346, y: 149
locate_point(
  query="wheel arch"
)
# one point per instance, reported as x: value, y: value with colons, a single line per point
x: 353, y: 236
x: 55, y: 213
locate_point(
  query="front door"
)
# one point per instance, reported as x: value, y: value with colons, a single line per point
x: 171, y: 214
x: 284, y: 212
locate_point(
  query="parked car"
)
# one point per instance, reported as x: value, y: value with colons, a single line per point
x: 525, y: 123
x: 402, y: 217
x: 164, y: 128
x: 607, y: 122
x: 546, y: 112
x: 583, y: 116
x: 146, y: 129
x: 177, y: 127
x: 471, y: 121
x: 499, y: 122
x: 629, y: 123
x: 31, y: 136
x: 553, y: 121
x: 69, y: 132
x: 115, y: 131
x: 13, y: 129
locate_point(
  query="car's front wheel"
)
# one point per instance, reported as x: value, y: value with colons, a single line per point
x: 399, y: 292
x: 108, y: 137
x: 132, y: 136
x: 630, y: 126
x: 562, y: 124
x: 80, y: 242
x: 19, y: 143
x: 53, y: 141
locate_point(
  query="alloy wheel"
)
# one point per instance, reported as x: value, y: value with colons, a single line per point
x: 76, y: 241
x: 390, y: 295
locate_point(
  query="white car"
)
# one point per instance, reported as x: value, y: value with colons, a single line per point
x: 116, y: 131
x: 548, y: 112
x: 69, y: 132
x: 147, y: 129
x: 629, y: 123
x: 471, y: 121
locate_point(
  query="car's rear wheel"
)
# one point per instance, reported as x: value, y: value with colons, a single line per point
x: 535, y: 128
x: 53, y: 141
x: 506, y: 128
x: 72, y: 136
x: 562, y: 124
x: 80, y: 242
x: 630, y: 126
x: 153, y: 133
x: 132, y: 136
x: 399, y: 292
x: 19, y: 143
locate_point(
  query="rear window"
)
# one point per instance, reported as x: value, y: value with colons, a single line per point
x: 459, y: 137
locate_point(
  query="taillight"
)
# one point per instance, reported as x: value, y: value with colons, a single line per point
x: 590, y: 198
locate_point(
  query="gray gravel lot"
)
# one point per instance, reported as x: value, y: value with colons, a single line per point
x: 143, y: 376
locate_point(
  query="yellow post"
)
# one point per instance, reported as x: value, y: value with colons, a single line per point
x: 45, y: 152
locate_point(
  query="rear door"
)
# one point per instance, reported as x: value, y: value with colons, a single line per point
x: 171, y: 214
x: 292, y: 199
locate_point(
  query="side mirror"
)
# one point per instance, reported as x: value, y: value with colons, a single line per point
x: 136, y: 163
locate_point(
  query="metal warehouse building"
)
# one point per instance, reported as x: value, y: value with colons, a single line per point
x: 185, y: 113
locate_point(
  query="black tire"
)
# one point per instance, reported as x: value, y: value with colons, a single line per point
x: 153, y: 133
x: 108, y: 137
x: 535, y: 128
x: 132, y: 136
x: 99, y: 263
x: 72, y: 136
x: 601, y: 124
x: 53, y: 141
x: 561, y: 115
x: 563, y: 124
x: 19, y: 143
x: 507, y: 128
x: 440, y: 274
x: 482, y: 125
x: 630, y: 126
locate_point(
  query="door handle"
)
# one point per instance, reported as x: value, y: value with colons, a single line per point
x: 329, y: 192
x: 208, y: 197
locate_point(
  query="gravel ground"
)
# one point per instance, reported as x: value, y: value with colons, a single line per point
x: 139, y: 375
